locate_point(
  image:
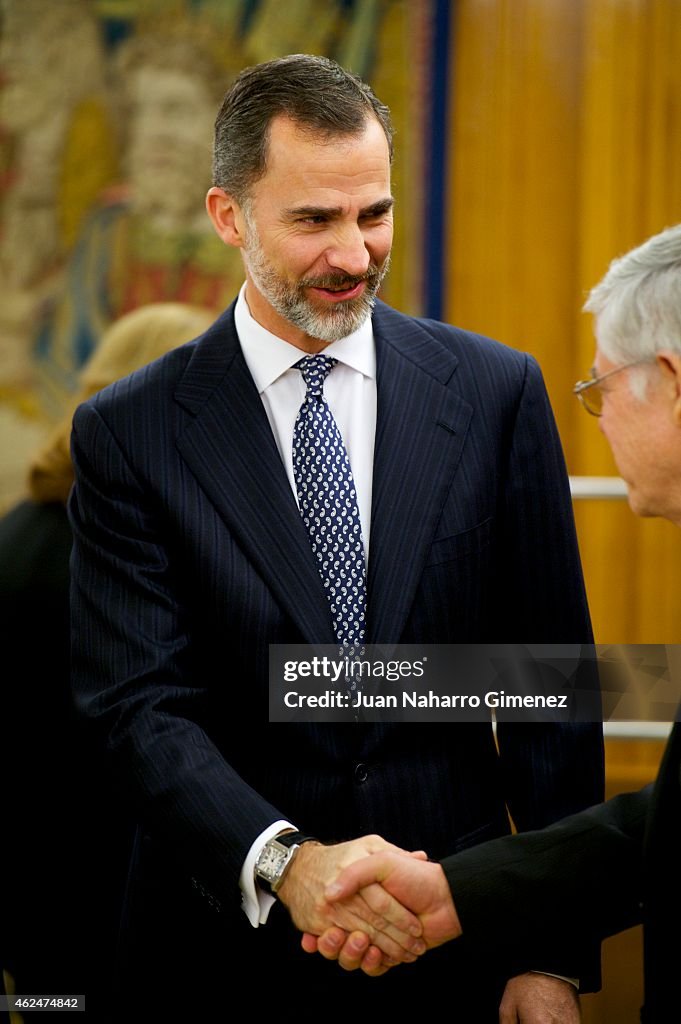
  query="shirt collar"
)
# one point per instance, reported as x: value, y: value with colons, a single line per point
x: 268, y: 356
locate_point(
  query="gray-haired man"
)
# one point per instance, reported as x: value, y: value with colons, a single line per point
x: 616, y: 864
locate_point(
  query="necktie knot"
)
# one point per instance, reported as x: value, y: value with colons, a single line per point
x: 315, y: 370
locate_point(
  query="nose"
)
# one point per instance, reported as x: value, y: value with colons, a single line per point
x: 348, y: 251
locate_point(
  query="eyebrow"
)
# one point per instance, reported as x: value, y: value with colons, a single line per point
x: 332, y: 212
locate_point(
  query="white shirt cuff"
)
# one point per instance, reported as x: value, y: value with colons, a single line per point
x: 561, y: 977
x: 255, y: 902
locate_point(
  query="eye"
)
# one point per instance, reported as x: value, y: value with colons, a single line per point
x: 314, y: 220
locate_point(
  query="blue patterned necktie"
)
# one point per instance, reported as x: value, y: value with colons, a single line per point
x: 328, y: 504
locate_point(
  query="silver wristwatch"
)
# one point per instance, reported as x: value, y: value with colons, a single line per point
x: 276, y: 856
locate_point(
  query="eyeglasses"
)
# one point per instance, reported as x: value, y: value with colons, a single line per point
x: 589, y: 391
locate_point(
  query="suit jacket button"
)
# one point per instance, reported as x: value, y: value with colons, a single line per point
x: 361, y: 773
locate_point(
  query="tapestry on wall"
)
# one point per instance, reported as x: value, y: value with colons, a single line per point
x: 106, y: 118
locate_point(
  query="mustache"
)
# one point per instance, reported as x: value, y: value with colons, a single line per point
x: 342, y: 281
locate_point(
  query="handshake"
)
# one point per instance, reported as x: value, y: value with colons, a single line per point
x: 368, y: 904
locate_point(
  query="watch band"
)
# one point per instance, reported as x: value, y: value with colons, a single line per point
x: 295, y: 838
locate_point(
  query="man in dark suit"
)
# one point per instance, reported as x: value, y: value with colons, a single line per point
x: 616, y: 864
x: 198, y: 544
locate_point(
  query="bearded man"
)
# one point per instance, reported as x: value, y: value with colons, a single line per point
x: 316, y: 468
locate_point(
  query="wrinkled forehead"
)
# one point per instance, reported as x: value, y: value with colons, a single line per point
x: 305, y: 168
x: 290, y: 145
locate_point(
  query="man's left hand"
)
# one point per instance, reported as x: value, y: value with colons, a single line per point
x: 539, y: 999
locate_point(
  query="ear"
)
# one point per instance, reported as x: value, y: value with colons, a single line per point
x: 669, y: 364
x: 226, y: 217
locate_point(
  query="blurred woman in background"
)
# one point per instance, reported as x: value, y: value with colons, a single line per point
x: 65, y: 851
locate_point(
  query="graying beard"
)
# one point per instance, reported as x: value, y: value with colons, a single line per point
x: 330, y: 326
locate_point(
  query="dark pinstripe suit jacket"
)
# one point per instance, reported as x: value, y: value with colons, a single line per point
x: 190, y: 558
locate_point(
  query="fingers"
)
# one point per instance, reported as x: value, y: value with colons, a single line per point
x: 309, y: 942
x: 375, y: 964
x: 358, y: 875
x: 390, y: 915
x: 354, y: 952
x: 330, y: 942
x: 355, y: 914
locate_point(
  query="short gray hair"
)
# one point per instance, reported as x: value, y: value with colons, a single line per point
x: 318, y: 94
x: 638, y: 303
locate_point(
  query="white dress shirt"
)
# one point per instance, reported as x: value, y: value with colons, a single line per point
x: 350, y: 391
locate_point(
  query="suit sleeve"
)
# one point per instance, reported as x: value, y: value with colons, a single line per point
x: 132, y: 670
x: 577, y: 881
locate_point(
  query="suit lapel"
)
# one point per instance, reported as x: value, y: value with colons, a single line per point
x: 420, y: 431
x: 230, y: 449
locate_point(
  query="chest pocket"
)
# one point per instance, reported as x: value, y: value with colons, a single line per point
x: 461, y: 545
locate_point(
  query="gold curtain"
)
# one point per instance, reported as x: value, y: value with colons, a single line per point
x: 565, y: 132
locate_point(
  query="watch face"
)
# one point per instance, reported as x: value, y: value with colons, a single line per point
x: 271, y: 861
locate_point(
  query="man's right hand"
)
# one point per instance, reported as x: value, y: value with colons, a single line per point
x: 374, y: 911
